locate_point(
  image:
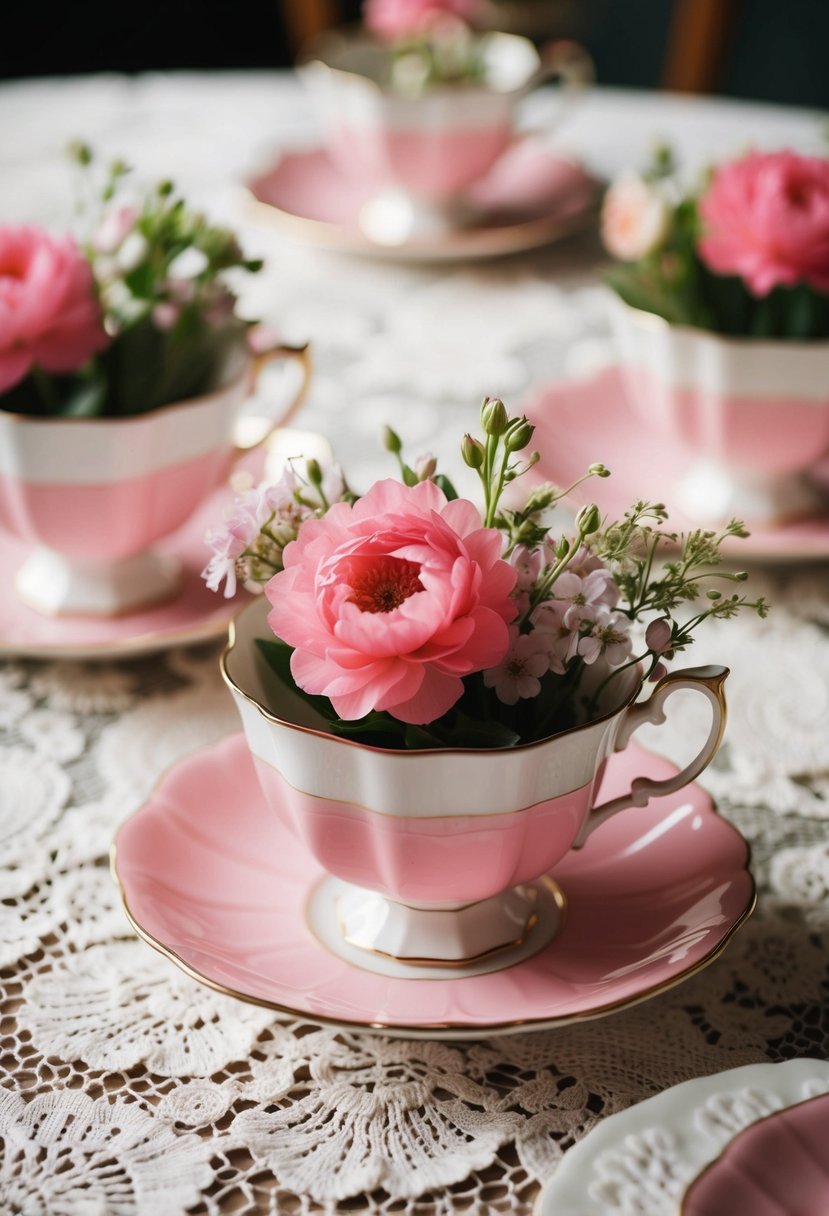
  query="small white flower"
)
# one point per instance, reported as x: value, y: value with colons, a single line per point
x: 635, y: 218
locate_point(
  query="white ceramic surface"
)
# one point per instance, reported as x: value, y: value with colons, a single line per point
x: 640, y: 1161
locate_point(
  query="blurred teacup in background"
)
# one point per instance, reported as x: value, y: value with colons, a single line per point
x: 422, y: 105
x: 124, y: 369
x: 721, y: 318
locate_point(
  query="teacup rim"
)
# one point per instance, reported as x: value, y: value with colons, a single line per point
x: 270, y: 716
x: 356, y: 35
x: 247, y: 359
x: 742, y: 342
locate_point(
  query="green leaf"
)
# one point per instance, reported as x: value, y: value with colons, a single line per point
x: 443, y: 483
x: 86, y: 401
x: 378, y: 729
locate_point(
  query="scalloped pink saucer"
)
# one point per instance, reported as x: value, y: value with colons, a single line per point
x: 531, y: 197
x: 193, y: 615
x: 777, y: 1167
x: 581, y: 421
x: 214, y: 882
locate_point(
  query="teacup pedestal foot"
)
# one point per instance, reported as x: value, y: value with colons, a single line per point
x: 56, y: 585
x: 395, y: 939
x: 709, y: 493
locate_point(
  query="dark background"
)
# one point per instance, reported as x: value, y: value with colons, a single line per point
x: 776, y: 51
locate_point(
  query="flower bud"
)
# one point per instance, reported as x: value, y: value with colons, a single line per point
x: 598, y: 470
x: 391, y: 441
x: 540, y: 498
x: 494, y: 417
x: 472, y: 451
x: 313, y: 472
x: 426, y: 466
x: 519, y: 435
x: 658, y: 636
x: 588, y: 519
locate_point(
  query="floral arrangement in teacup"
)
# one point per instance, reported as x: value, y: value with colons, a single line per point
x: 743, y: 253
x: 429, y: 41
x: 409, y: 619
x: 137, y: 315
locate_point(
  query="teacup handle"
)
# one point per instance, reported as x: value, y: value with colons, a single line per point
x: 707, y: 680
x: 563, y: 60
x: 302, y: 354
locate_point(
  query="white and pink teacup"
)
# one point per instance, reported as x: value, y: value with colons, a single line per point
x: 422, y: 152
x: 91, y: 496
x: 753, y: 415
x: 436, y: 858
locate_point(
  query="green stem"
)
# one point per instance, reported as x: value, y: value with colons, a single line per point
x: 46, y: 389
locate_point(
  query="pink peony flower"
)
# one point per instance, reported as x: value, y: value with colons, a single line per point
x: 766, y: 219
x: 391, y: 601
x: 635, y: 218
x: 393, y: 19
x: 49, y: 314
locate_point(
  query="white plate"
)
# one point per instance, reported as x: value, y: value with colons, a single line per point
x: 641, y: 1161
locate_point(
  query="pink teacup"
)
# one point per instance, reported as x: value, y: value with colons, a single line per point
x: 92, y: 495
x: 436, y: 857
x: 754, y: 414
x: 422, y: 152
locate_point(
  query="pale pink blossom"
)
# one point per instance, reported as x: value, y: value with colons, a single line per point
x: 239, y: 535
x: 560, y: 640
x: 391, y: 601
x: 49, y: 312
x: 766, y: 219
x: 397, y: 19
x: 518, y: 675
x: 114, y: 229
x: 609, y: 637
x: 635, y: 219
x: 527, y: 563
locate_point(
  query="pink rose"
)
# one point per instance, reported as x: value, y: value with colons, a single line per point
x: 766, y: 219
x: 392, y: 19
x: 49, y: 313
x: 391, y: 601
x: 635, y: 218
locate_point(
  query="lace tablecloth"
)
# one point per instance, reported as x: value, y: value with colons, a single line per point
x: 125, y: 1087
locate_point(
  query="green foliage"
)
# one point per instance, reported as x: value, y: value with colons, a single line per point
x: 174, y: 332
x: 674, y: 283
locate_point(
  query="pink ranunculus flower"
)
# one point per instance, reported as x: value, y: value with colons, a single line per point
x: 393, y: 19
x: 766, y: 219
x: 390, y: 602
x: 49, y: 313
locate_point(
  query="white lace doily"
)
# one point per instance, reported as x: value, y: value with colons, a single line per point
x: 126, y: 1089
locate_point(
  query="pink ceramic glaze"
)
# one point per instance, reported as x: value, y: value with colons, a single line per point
x: 419, y: 860
x: 439, y: 140
x: 441, y: 828
x: 433, y: 164
x: 775, y: 433
x: 213, y: 879
x: 193, y: 615
x: 112, y: 519
x: 777, y: 1167
x: 579, y: 419
x: 94, y: 493
x: 754, y: 413
x: 532, y: 195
